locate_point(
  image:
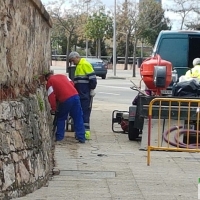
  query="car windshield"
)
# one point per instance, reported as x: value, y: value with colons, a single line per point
x: 94, y: 60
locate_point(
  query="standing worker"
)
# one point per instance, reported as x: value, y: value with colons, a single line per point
x: 61, y: 91
x: 85, y: 82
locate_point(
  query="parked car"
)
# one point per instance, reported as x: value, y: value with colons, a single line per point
x: 99, y: 66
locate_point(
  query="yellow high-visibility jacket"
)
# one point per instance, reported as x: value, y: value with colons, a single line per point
x: 84, y: 79
x: 194, y: 72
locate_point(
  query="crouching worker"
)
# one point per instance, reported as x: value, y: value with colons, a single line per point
x: 195, y: 71
x: 62, y: 92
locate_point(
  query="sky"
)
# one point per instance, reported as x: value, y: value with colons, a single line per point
x: 165, y: 4
x: 108, y: 3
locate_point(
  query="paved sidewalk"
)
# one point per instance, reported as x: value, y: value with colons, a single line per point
x: 110, y: 167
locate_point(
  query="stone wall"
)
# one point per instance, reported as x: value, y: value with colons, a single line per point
x: 25, y: 42
x: 25, y: 123
x: 25, y: 145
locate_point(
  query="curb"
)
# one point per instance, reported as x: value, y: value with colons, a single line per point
x: 115, y: 77
x: 124, y: 78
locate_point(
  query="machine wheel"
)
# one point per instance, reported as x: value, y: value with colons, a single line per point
x: 133, y: 133
x: 70, y: 125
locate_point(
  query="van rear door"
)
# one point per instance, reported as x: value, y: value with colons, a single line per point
x: 175, y: 49
x: 194, y: 49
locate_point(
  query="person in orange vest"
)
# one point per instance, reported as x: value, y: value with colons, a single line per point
x: 62, y: 92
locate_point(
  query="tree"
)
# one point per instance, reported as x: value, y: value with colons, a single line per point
x: 99, y: 27
x: 183, y: 9
x: 126, y: 26
x: 151, y: 21
x: 140, y: 21
x: 69, y: 24
x: 65, y: 22
x: 124, y: 23
x: 194, y: 24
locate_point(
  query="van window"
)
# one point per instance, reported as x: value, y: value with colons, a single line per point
x: 174, y: 50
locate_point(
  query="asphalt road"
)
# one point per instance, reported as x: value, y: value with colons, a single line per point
x: 115, y: 91
x: 111, y: 90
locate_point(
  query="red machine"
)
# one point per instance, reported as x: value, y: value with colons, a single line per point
x: 156, y: 74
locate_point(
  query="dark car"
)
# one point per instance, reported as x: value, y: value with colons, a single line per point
x: 99, y: 66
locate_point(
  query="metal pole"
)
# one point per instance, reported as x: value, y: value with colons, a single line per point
x: 126, y: 54
x: 114, y: 40
x: 86, y: 40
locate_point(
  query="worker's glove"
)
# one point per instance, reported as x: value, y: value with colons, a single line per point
x: 92, y: 93
x: 53, y: 112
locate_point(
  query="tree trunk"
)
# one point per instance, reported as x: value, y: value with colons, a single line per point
x: 67, y: 53
x: 126, y: 54
x: 127, y: 35
x: 142, y: 49
x: 99, y: 48
x: 134, y: 57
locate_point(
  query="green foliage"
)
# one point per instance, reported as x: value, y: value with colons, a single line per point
x: 35, y: 78
x: 93, y: 47
x: 142, y: 22
x: 103, y: 49
x: 66, y: 23
x: 150, y: 35
x: 40, y: 103
x: 46, y: 72
x: 151, y: 21
x: 99, y: 25
x: 73, y: 26
x: 122, y: 48
x: 193, y: 25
